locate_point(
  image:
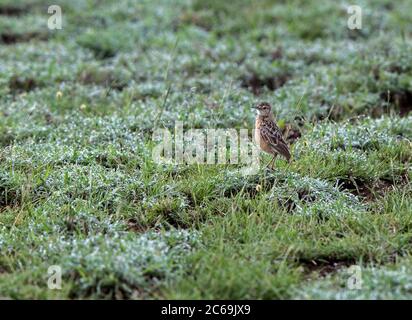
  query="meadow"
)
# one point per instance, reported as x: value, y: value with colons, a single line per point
x: 79, y: 188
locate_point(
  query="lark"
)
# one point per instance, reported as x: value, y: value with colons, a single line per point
x: 268, y: 135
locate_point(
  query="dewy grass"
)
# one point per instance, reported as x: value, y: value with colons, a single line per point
x: 107, y: 263
x: 79, y: 187
x: 391, y: 282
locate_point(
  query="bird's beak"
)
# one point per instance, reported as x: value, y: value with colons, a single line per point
x: 254, y: 107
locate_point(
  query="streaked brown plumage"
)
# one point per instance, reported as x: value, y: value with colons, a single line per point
x: 267, y: 133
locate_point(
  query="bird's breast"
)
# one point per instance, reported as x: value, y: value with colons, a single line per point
x: 259, y: 141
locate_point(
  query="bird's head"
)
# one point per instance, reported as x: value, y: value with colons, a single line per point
x: 263, y: 108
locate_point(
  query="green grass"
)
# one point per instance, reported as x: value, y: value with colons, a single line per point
x: 79, y: 187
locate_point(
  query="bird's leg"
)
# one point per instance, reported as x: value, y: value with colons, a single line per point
x: 271, y: 161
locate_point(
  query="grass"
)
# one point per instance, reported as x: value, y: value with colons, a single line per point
x: 79, y: 187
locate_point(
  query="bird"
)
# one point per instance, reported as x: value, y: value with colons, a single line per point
x: 268, y: 135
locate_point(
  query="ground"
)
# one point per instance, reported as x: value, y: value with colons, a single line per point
x: 79, y: 187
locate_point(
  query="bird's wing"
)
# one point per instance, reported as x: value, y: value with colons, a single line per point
x: 271, y: 134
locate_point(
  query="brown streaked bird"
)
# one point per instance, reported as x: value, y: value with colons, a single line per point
x: 268, y: 135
